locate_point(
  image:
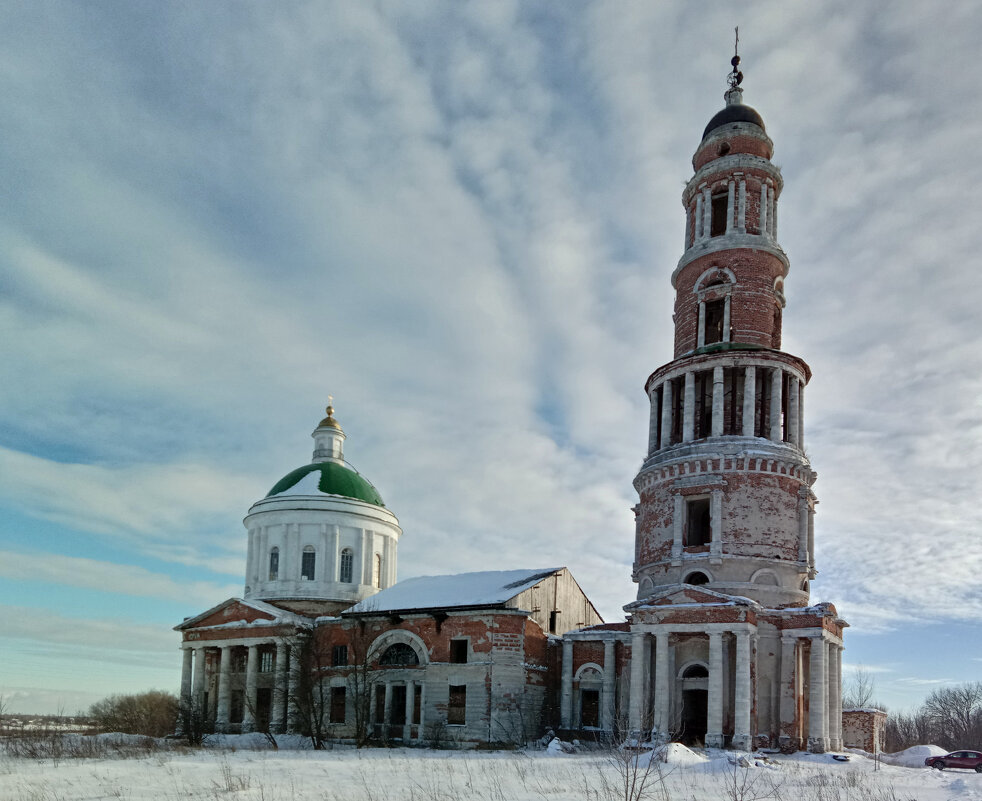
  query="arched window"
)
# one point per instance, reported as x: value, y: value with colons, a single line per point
x: 274, y: 564
x: 347, y: 563
x: 399, y: 654
x: 308, y: 560
x: 377, y: 571
x: 696, y: 578
x: 695, y: 672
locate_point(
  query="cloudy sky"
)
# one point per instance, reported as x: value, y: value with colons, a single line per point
x: 460, y: 219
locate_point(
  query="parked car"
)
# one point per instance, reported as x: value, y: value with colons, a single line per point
x: 970, y: 760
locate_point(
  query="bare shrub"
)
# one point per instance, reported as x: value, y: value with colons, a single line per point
x: 153, y: 713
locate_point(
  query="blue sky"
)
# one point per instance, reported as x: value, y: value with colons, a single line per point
x: 460, y: 219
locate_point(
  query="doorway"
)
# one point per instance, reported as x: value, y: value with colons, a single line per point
x: 695, y: 705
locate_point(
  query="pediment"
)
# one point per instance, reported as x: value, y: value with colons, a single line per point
x: 232, y: 610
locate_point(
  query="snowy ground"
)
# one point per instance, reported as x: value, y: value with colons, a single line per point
x: 240, y: 773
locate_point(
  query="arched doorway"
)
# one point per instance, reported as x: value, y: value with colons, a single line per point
x: 695, y: 704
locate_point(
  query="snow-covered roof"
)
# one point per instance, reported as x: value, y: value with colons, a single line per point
x: 486, y: 588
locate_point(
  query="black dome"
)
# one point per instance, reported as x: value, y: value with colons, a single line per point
x: 734, y: 113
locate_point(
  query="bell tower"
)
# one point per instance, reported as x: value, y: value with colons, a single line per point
x: 725, y: 488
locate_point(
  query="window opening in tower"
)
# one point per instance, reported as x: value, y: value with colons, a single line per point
x: 718, y: 224
x: 307, y: 560
x: 785, y: 402
x: 704, y: 404
x: 659, y: 403
x: 776, y: 331
x: 732, y: 401
x: 678, y: 407
x: 713, y: 329
x: 762, y: 403
x: 698, y: 527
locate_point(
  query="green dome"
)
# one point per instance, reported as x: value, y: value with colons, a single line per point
x: 329, y: 478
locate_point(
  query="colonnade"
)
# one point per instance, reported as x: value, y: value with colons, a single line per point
x: 195, y: 683
x: 388, y: 716
x: 699, y: 219
x: 784, y: 417
x: 824, y: 689
x: 608, y: 687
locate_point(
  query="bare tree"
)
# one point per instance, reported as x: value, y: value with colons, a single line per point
x: 859, y: 689
x: 309, y: 701
x: 955, y: 715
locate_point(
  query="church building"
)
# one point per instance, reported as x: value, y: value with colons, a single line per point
x: 721, y: 647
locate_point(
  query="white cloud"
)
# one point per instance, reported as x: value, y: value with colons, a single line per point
x: 91, y: 574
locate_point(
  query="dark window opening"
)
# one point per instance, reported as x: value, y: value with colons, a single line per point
x: 678, y: 400
x: 307, y: 561
x: 457, y: 705
x: 236, y: 707
x: 553, y: 621
x: 458, y: 651
x: 713, y: 327
x: 337, y: 704
x: 339, y: 656
x: 776, y: 332
x: 698, y: 526
x: 239, y: 660
x: 696, y: 578
x: 658, y: 402
x: 397, y: 709
x: 399, y: 654
x: 762, y: 403
x: 695, y: 672
x: 718, y: 227
x: 785, y: 406
x: 732, y: 400
x: 379, y: 716
x: 265, y: 661
x: 589, y: 708
x: 274, y: 564
x: 264, y: 703
x: 704, y: 404
x: 417, y: 703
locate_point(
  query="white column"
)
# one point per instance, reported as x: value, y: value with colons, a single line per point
x: 698, y: 219
x: 749, y: 399
x: 726, y: 318
x: 566, y: 689
x: 803, y: 526
x: 742, y: 693
x: 639, y: 683
x: 714, y: 702
x: 793, y: 385
x: 763, y: 209
x: 678, y: 528
x: 663, y: 693
x: 293, y: 691
x: 666, y: 415
x: 707, y: 212
x: 187, y: 657
x: 772, y: 195
x: 717, y: 429
x: 387, y: 710
x: 609, y: 687
x: 688, y: 411
x: 836, y: 686
x: 653, y: 420
x: 801, y: 415
x: 777, y: 376
x: 280, y: 700
x: 407, y: 729
x: 221, y: 713
x: 701, y: 329
x: 716, y: 524
x: 817, y: 725
x: 688, y: 229
x: 252, y: 670
x: 829, y: 701
x: 730, y: 205
x: 811, y: 537
x: 789, y: 730
x: 199, y: 684
x: 742, y: 207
